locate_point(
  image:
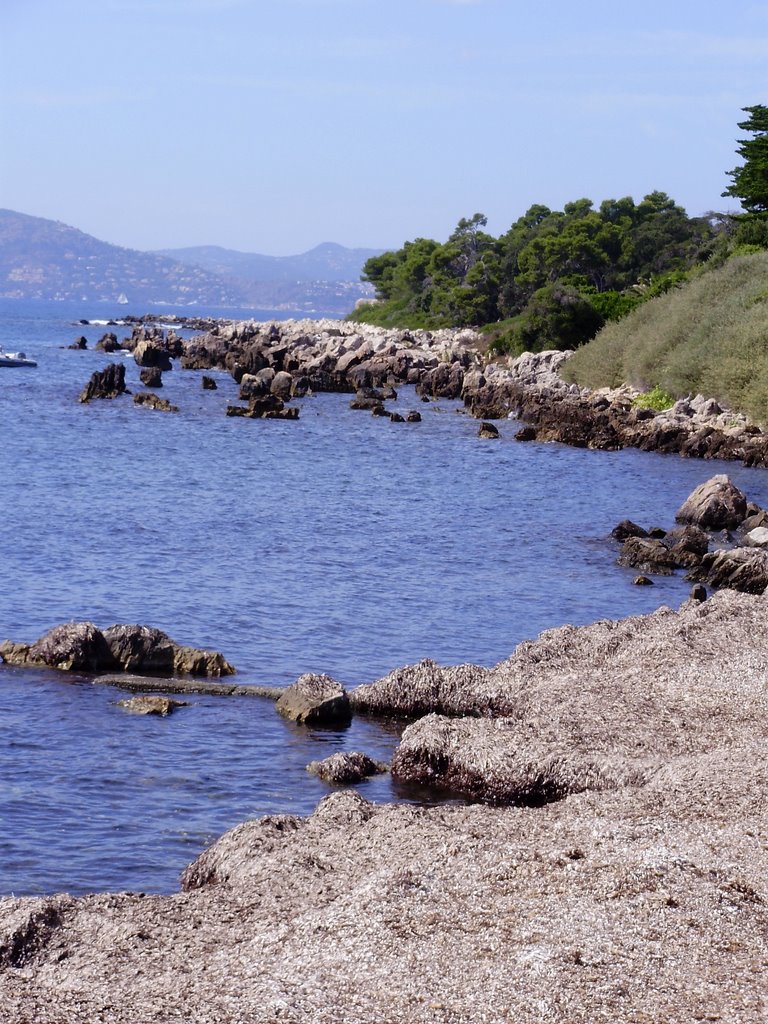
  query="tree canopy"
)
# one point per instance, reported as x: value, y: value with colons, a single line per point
x: 553, y: 278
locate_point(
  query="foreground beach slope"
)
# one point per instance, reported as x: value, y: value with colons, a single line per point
x: 632, y: 887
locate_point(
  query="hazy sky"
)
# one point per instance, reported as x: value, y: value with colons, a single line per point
x: 273, y: 125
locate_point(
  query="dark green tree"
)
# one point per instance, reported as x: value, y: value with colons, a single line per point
x: 750, y: 181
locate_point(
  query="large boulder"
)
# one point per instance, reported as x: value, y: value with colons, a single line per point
x: 316, y: 700
x: 149, y: 651
x: 149, y: 352
x: 140, y: 649
x: 716, y: 504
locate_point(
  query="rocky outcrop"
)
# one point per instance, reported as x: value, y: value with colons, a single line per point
x: 106, y: 383
x: 598, y: 706
x: 315, y: 700
x: 344, y: 769
x: 322, y: 355
x: 82, y: 647
x: 714, y: 505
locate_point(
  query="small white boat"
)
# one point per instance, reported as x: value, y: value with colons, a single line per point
x: 15, y: 359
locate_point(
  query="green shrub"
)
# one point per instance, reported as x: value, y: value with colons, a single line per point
x: 657, y: 398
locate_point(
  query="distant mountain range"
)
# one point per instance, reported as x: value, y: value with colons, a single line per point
x: 45, y: 259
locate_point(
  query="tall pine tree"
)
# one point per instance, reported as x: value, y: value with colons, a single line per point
x: 750, y: 181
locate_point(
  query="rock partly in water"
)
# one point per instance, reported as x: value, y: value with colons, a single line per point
x: 346, y: 768
x: 648, y: 555
x: 151, y: 352
x: 149, y: 400
x: 151, y: 705
x: 626, y: 528
x: 716, y: 504
x: 106, y: 383
x: 81, y: 646
x: 71, y: 646
x: 488, y: 430
x: 315, y: 700
x: 151, y: 376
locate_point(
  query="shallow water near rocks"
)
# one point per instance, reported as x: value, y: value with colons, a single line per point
x: 340, y: 543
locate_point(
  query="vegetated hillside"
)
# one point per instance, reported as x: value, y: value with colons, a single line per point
x: 326, y: 262
x: 709, y: 335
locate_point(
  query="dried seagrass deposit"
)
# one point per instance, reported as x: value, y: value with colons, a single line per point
x: 636, y: 891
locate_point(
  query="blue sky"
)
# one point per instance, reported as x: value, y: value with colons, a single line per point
x: 273, y: 125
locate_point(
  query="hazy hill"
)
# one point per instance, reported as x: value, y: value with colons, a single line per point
x: 45, y: 259
x: 326, y: 262
x: 710, y: 336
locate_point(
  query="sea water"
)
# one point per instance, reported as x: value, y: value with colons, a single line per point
x: 339, y: 543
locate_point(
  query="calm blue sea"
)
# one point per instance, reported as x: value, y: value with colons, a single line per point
x: 340, y: 543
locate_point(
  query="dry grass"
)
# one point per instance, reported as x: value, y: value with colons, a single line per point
x: 709, y: 336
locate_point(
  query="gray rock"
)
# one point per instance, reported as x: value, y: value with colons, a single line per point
x: 346, y: 768
x: 744, y: 569
x: 151, y: 705
x: 647, y: 555
x: 714, y: 505
x: 315, y: 700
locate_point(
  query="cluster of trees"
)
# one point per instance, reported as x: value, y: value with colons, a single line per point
x: 558, y: 275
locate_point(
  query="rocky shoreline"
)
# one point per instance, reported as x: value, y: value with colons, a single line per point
x: 275, y: 362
